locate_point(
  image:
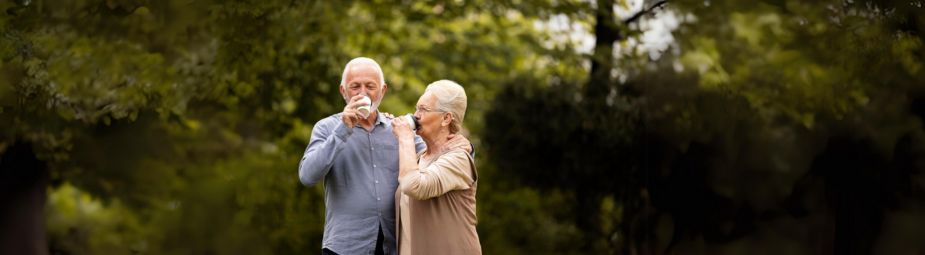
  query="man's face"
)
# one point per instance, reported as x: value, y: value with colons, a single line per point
x: 364, y: 80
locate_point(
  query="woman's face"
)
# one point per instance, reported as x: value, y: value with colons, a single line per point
x: 431, y: 121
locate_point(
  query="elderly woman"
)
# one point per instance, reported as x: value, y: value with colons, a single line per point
x: 436, y: 192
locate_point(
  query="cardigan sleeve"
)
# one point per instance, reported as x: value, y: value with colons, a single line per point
x: 452, y: 171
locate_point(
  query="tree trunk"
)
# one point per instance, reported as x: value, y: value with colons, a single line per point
x: 23, y: 183
x: 589, y: 203
x: 606, y: 33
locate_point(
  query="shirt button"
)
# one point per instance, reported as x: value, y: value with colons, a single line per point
x: 377, y: 181
x: 377, y: 199
x: 374, y: 165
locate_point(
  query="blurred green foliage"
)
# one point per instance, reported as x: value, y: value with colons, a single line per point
x: 773, y: 127
x: 778, y: 126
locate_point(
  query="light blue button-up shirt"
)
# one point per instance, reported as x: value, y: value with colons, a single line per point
x: 360, y: 172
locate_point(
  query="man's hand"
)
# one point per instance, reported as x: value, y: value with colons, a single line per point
x: 402, y: 130
x: 351, y: 117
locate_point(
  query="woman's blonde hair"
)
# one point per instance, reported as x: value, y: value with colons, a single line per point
x: 451, y: 98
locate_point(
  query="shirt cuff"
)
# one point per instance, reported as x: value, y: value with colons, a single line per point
x: 342, y: 131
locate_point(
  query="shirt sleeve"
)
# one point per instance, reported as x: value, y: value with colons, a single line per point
x: 419, y: 145
x: 327, y: 140
x: 450, y: 172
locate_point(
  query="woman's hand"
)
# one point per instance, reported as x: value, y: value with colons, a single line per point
x: 387, y: 115
x: 402, y: 130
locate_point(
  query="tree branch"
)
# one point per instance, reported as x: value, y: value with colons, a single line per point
x: 644, y: 11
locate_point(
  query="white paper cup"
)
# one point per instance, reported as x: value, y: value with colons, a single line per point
x: 411, y: 121
x: 364, y: 109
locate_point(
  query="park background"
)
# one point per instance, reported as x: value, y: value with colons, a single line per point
x: 601, y: 127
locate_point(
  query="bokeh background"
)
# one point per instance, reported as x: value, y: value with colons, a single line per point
x: 601, y: 127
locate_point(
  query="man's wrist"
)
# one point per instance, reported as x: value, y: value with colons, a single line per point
x: 343, y: 131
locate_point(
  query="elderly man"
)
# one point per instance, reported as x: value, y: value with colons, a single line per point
x: 357, y: 156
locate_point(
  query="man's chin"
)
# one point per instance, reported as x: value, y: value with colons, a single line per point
x: 372, y: 112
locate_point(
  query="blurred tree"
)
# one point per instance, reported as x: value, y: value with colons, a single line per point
x: 184, y: 120
x: 781, y: 124
x: 133, y: 101
x: 174, y: 127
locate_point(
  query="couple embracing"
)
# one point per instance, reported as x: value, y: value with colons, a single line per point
x: 394, y: 185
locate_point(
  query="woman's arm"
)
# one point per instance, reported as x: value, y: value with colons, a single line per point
x: 407, y: 146
x: 407, y: 156
x: 450, y: 172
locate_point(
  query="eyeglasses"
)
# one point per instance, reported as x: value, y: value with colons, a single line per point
x: 421, y: 109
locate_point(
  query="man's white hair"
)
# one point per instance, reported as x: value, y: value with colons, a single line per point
x: 451, y: 98
x: 358, y: 61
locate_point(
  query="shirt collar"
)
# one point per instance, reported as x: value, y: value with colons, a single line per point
x: 379, y: 118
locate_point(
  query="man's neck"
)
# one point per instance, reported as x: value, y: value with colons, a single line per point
x: 369, y: 122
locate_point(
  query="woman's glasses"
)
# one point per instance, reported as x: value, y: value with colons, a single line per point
x: 421, y: 109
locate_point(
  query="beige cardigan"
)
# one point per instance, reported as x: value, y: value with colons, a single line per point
x: 436, y: 205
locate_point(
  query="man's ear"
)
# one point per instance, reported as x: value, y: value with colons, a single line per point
x: 343, y: 92
x: 385, y: 88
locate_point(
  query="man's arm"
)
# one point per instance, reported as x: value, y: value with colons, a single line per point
x: 327, y: 140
